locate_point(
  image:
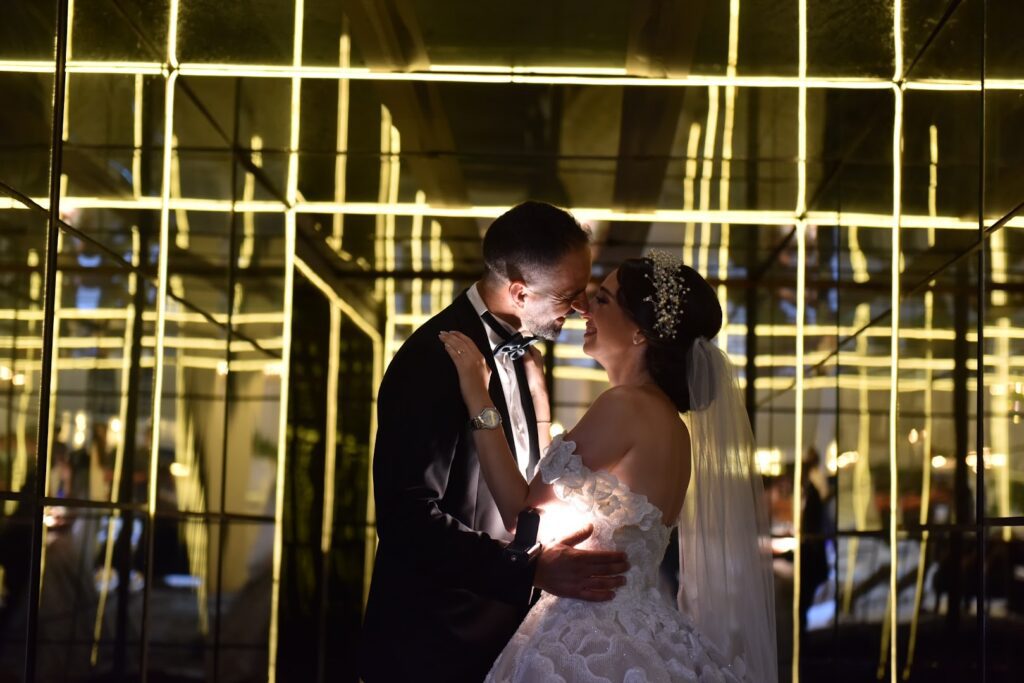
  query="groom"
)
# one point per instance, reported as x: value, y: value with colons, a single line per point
x: 446, y: 593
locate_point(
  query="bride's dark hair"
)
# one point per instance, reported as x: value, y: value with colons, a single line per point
x: 700, y: 316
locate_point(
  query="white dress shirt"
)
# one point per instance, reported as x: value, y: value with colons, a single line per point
x: 509, y: 384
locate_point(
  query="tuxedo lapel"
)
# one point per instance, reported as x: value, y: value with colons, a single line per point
x: 472, y: 326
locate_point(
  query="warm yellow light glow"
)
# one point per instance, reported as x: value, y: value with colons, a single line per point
x: 939, y: 461
x: 179, y: 469
x: 784, y: 544
x: 768, y: 461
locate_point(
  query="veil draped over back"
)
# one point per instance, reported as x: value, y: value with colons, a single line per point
x: 724, y: 542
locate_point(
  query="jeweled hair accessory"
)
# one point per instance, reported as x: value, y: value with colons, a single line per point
x: 669, y: 292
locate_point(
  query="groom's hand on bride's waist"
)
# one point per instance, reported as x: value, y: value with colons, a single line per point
x: 568, y: 572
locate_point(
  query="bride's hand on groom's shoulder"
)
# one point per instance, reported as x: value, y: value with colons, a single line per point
x: 474, y: 373
x: 568, y: 572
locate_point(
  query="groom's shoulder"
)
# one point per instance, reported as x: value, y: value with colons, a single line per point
x: 423, y: 343
x: 451, y: 317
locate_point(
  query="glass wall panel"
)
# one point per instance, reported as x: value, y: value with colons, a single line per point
x: 657, y: 122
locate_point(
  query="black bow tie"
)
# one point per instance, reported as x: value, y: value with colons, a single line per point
x: 513, y: 345
x: 516, y: 345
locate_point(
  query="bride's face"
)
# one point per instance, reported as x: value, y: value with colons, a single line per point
x: 610, y: 331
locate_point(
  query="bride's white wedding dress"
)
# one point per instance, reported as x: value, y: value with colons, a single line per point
x: 639, y: 636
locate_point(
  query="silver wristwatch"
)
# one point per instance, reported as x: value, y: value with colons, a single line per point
x: 489, y: 418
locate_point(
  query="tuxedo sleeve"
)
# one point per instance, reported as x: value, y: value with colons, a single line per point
x: 421, y: 417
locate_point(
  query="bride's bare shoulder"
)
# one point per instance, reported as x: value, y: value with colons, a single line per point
x: 603, y: 434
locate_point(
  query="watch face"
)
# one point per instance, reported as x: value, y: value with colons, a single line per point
x: 490, y: 418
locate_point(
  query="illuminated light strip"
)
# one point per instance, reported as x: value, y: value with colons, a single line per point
x: 567, y: 351
x: 291, y: 194
x: 331, y: 430
x: 216, y: 345
x: 736, y: 217
x: 556, y: 75
x: 181, y: 233
x: 926, y: 489
x: 539, y: 70
x: 933, y: 178
x: 137, y: 140
x: 248, y: 245
x: 724, y: 182
x: 694, y: 80
x: 436, y: 301
x: 82, y: 67
x: 201, y: 362
x: 964, y: 86
x: 844, y: 382
x: 382, y: 197
x: 897, y: 185
x: 341, y: 146
x: 448, y: 265
x: 416, y: 253
x: 579, y: 373
x: 858, y: 261
x: 1001, y: 428
x: 67, y: 76
x: 549, y: 75
x: 926, y: 469
x: 58, y: 311
x: 170, y: 81
x: 708, y: 169
x: 801, y: 276
x: 385, y: 227
x: 689, y: 178
x: 764, y: 329
x: 853, y: 383
x: 148, y: 316
x: 222, y: 318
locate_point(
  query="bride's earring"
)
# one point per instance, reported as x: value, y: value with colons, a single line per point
x: 637, y: 338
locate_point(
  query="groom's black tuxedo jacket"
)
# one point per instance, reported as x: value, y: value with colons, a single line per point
x: 444, y: 600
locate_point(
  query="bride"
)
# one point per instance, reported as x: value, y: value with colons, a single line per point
x: 633, y: 470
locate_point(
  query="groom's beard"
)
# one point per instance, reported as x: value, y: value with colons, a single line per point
x: 545, y: 329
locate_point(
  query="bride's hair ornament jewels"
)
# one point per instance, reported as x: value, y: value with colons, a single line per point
x: 670, y: 291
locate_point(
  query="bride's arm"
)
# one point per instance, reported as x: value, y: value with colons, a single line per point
x: 509, y: 488
x: 534, y: 362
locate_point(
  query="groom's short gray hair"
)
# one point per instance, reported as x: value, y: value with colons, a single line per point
x: 529, y: 237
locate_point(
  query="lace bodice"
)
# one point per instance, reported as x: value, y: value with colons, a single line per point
x: 623, y: 520
x: 639, y: 636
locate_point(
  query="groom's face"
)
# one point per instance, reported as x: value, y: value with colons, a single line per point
x: 552, y: 295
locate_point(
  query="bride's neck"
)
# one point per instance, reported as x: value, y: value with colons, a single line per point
x: 629, y: 371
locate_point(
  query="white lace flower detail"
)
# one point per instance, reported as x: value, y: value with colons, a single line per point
x: 597, y: 492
